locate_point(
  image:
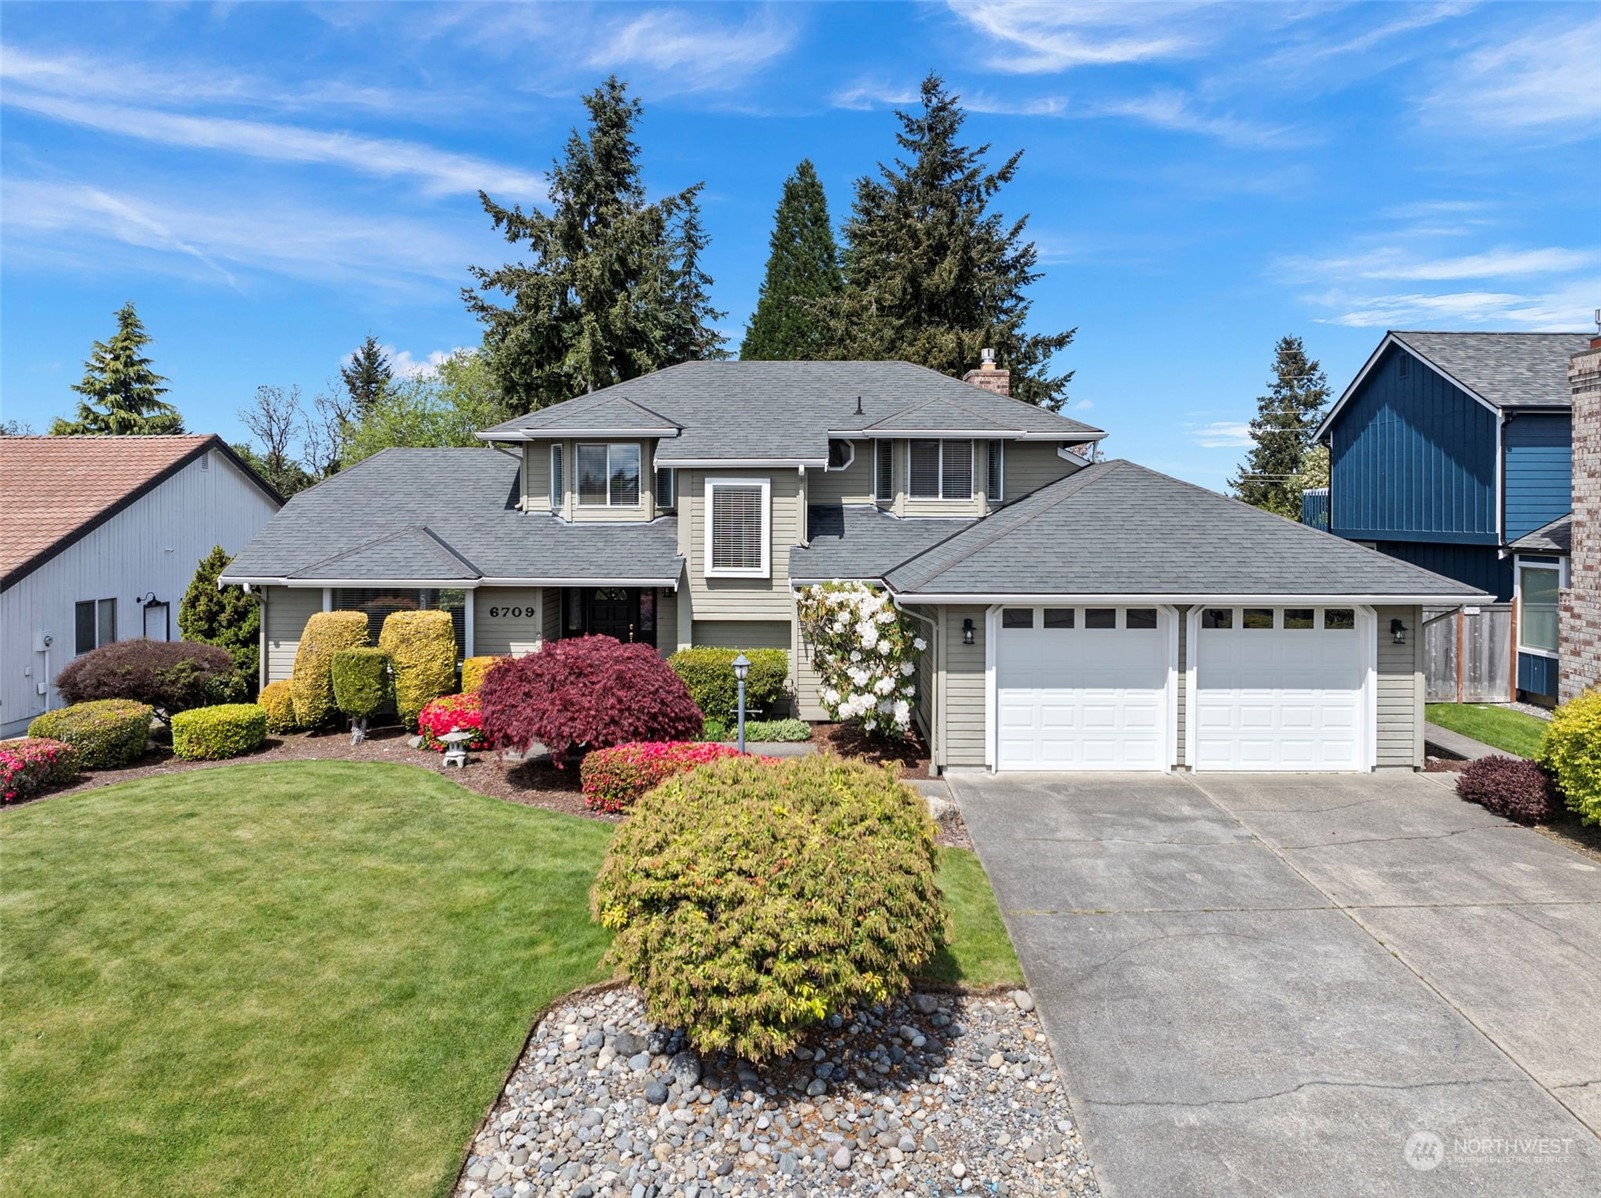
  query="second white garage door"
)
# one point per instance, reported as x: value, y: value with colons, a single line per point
x: 1082, y: 688
x: 1280, y: 689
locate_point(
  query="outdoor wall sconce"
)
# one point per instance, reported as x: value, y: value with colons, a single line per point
x: 1398, y: 631
x: 967, y: 631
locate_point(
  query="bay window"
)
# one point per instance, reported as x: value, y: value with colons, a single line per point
x: 738, y: 528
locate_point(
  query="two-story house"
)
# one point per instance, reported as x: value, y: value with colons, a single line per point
x: 1453, y: 451
x: 1079, y: 614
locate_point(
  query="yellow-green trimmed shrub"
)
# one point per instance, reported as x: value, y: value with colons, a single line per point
x: 213, y: 733
x: 107, y: 733
x: 750, y: 900
x: 311, y: 682
x: 1572, y: 753
x: 277, y: 699
x: 361, y: 681
x: 709, y: 675
x: 473, y: 670
x: 422, y: 646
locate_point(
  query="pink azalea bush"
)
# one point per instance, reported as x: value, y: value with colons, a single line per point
x: 614, y: 779
x: 29, y: 764
x: 451, y: 713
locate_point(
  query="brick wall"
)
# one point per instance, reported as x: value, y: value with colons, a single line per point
x: 1581, y: 601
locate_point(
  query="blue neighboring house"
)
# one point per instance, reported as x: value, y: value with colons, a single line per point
x: 1454, y: 451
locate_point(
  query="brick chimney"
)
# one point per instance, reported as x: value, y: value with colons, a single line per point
x: 990, y: 376
x: 1581, y: 601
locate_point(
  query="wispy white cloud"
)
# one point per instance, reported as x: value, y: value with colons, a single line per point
x: 868, y: 94
x: 1084, y: 405
x: 1567, y: 307
x: 1221, y: 434
x: 407, y: 365
x: 1544, y: 81
x: 438, y: 172
x: 1392, y: 263
x: 1413, y: 18
x: 1180, y: 113
x: 1045, y: 37
x: 699, y: 52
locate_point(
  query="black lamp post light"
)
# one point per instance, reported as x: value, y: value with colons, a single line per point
x: 741, y: 672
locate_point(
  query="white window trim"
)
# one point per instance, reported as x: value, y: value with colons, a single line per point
x: 850, y: 460
x: 1559, y: 568
x: 765, y: 569
x: 578, y: 493
x: 972, y: 464
x: 879, y: 495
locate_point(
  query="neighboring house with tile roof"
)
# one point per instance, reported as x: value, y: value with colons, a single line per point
x: 1078, y: 614
x: 99, y: 537
x: 1453, y: 451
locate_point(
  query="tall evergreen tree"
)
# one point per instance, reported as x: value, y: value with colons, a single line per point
x: 368, y: 376
x: 1273, y: 473
x: 931, y: 274
x: 614, y: 287
x: 802, y: 269
x: 121, y: 393
x: 228, y: 616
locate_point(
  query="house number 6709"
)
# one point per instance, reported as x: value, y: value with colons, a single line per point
x: 513, y: 612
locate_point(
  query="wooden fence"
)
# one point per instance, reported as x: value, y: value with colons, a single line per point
x: 1469, y: 658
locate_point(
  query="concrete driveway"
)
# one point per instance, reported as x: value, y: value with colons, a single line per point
x: 1305, y: 985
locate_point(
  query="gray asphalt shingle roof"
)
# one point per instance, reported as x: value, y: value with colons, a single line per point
x: 862, y: 542
x: 441, y: 515
x: 1509, y: 370
x: 1115, y: 528
x: 1555, y: 537
x: 785, y: 410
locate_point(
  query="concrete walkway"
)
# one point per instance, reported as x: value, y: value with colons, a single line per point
x: 1444, y: 742
x: 1305, y: 985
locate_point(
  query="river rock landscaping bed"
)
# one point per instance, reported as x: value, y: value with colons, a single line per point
x: 936, y: 1094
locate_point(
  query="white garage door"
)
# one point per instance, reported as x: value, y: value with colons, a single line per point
x: 1279, y: 689
x: 1082, y: 688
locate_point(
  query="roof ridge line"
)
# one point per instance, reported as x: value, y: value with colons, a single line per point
x: 451, y: 549
x: 378, y: 540
x: 999, y: 532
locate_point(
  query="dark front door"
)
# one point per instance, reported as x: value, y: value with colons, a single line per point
x: 613, y: 612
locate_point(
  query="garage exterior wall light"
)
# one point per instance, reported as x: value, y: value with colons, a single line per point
x: 1398, y: 631
x: 967, y: 631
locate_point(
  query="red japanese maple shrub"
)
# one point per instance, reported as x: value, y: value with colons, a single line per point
x: 1511, y: 786
x: 613, y: 779
x: 585, y: 693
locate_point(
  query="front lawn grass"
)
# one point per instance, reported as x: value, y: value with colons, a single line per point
x: 980, y: 953
x: 297, y: 978
x: 1514, y: 732
x: 301, y: 977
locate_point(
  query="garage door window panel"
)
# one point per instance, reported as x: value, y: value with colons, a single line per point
x: 1217, y: 617
x: 1141, y: 618
x: 1059, y: 617
x: 1339, y: 619
x: 1100, y: 617
x: 1257, y: 618
x: 1300, y: 618
x: 1017, y: 617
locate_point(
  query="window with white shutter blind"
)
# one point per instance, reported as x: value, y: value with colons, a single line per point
x: 924, y: 480
x: 957, y: 480
x: 558, y: 482
x: 996, y: 488
x: 884, y: 470
x: 737, y: 528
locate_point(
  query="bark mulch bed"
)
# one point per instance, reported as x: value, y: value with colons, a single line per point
x: 911, y: 754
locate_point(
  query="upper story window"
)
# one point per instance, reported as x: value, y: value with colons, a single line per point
x: 95, y: 622
x: 738, y: 528
x: 608, y: 475
x: 666, y: 489
x: 884, y: 470
x: 941, y: 470
x: 996, y: 483
x: 841, y: 453
x: 558, y: 481
x: 1539, y: 588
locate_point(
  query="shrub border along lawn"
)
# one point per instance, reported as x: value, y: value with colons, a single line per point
x: 1500, y: 727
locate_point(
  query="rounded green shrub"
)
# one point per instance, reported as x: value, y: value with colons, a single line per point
x: 107, y: 733
x: 750, y: 900
x: 277, y: 699
x: 709, y: 675
x: 361, y: 681
x: 1572, y: 754
x: 311, y: 682
x: 214, y: 733
x: 422, y: 646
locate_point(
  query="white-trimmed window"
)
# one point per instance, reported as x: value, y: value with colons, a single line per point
x: 1539, y: 589
x: 95, y: 624
x: 608, y: 474
x: 841, y: 453
x: 558, y: 481
x: 941, y: 470
x: 884, y: 471
x: 666, y: 489
x: 738, y: 527
x: 995, y: 489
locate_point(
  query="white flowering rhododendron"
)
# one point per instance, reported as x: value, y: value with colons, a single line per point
x: 865, y: 651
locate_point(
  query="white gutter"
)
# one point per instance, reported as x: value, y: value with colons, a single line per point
x: 736, y: 463
x: 1081, y: 599
x: 562, y: 434
x: 457, y: 584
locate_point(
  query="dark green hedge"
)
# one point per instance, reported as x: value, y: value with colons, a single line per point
x: 709, y: 675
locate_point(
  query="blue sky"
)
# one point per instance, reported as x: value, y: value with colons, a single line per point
x: 269, y: 182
